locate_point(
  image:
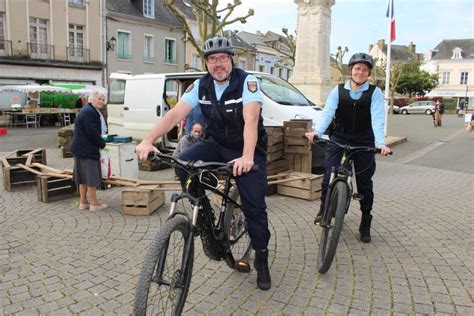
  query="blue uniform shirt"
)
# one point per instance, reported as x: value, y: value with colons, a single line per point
x: 377, y: 111
x: 192, y: 97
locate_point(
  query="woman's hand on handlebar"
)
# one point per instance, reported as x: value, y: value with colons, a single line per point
x: 144, y: 148
x: 384, y: 150
x: 311, y: 136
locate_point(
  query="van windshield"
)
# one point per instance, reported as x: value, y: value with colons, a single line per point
x: 282, y: 92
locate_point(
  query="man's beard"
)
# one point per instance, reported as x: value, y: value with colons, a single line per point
x: 222, y: 77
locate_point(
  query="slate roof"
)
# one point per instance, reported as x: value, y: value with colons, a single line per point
x: 401, y: 52
x: 444, y: 50
x: 133, y: 8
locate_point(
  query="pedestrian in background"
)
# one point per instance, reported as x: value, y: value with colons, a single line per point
x: 438, y: 113
x: 461, y: 108
x: 86, y: 144
x: 189, y: 139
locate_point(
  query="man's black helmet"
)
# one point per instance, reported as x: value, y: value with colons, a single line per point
x: 362, y: 58
x: 218, y: 45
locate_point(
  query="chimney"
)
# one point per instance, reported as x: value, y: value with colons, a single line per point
x: 381, y: 44
x: 412, y: 47
x: 370, y: 47
x: 259, y: 33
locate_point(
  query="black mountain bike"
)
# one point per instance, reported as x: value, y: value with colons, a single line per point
x: 166, y: 274
x: 338, y: 199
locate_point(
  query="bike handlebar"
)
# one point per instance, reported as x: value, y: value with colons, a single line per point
x: 197, y: 164
x: 350, y: 148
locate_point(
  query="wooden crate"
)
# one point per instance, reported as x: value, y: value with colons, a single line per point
x: 304, y: 124
x: 52, y: 189
x: 13, y: 176
x: 305, y: 186
x: 141, y: 201
x: 300, y: 162
x: 39, y: 155
x: 147, y: 165
x: 66, y: 153
x: 277, y: 166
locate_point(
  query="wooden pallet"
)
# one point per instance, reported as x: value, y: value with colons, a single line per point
x: 51, y: 188
x: 147, y: 165
x: 143, y: 201
x: 23, y: 156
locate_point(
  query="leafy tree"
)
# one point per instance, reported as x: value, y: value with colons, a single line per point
x: 210, y: 17
x: 414, y: 81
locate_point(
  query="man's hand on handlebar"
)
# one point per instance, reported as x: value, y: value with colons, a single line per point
x: 242, y: 165
x: 144, y: 148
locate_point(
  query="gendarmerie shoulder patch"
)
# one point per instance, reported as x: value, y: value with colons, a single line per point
x: 191, y: 86
x: 252, y: 86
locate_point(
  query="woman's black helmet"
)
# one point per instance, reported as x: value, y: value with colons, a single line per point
x: 218, y: 45
x: 362, y: 58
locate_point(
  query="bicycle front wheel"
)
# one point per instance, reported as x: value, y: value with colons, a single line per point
x: 331, y: 224
x: 165, y: 277
x: 236, y: 232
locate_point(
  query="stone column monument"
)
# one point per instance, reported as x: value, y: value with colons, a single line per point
x: 312, y: 74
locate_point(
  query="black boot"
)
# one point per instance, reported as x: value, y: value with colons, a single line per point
x: 264, y: 281
x: 319, y: 217
x: 364, y: 228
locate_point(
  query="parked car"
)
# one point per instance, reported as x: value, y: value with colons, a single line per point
x: 426, y: 107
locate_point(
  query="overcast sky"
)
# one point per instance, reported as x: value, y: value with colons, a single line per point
x: 359, y: 23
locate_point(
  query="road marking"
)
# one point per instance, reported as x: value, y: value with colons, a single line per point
x: 420, y: 153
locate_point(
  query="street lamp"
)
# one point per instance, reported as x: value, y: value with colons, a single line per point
x: 110, y: 45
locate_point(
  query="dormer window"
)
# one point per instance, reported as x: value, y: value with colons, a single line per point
x: 457, y: 53
x: 149, y: 9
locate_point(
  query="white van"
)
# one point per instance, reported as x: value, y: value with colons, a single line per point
x: 137, y: 102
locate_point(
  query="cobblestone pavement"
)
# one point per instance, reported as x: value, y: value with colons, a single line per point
x: 58, y: 260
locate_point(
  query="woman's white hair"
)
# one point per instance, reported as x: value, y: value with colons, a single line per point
x: 97, y: 94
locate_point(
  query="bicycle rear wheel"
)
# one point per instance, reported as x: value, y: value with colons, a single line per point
x: 236, y: 232
x: 164, y: 280
x: 331, y: 224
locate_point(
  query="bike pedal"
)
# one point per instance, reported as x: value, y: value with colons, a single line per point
x: 357, y: 196
x: 243, y: 266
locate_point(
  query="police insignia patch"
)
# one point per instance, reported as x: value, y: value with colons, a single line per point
x: 252, y: 86
x: 191, y: 86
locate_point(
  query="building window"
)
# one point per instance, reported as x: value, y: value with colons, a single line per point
x: 170, y: 51
x: 196, y: 61
x: 76, y: 36
x: 280, y: 72
x: 39, y: 31
x: 149, y: 49
x: 445, y: 77
x: 149, y: 9
x: 2, y: 28
x: 79, y: 3
x: 124, y: 49
x: 457, y: 53
x: 464, y: 76
x: 243, y: 64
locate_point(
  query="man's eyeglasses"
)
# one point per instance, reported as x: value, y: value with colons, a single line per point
x: 214, y: 59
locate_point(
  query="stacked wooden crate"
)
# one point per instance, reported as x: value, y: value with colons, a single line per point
x: 297, y: 149
x: 65, y: 140
x: 276, y: 163
x: 52, y: 188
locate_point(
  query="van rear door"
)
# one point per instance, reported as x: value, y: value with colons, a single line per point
x: 115, y: 103
x: 143, y: 105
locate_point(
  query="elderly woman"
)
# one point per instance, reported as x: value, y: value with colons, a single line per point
x: 86, y: 143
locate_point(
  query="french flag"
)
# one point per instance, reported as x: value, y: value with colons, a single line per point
x: 391, y: 15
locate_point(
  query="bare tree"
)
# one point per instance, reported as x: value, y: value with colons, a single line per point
x: 210, y: 19
x: 285, y: 46
x: 340, y: 64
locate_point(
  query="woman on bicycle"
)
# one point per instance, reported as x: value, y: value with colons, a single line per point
x: 358, y: 110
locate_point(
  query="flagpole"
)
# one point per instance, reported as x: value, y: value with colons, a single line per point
x: 387, y: 72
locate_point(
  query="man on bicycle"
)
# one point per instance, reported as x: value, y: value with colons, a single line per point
x: 359, y: 113
x: 230, y: 101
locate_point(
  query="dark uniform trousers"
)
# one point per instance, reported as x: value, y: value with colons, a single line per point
x: 364, y: 165
x: 252, y: 186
